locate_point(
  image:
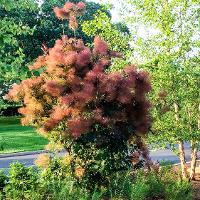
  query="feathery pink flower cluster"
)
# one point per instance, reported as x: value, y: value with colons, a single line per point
x: 70, y: 11
x: 74, y: 92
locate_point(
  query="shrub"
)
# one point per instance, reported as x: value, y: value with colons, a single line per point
x: 76, y: 103
x: 162, y: 185
x: 25, y: 183
x: 54, y: 168
x: 148, y: 186
x: 22, y: 182
x: 29, y: 184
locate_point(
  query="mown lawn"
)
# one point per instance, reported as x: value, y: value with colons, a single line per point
x: 16, y: 138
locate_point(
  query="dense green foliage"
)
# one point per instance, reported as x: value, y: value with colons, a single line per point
x: 22, y: 182
x: 12, y: 54
x: 28, y: 184
x: 162, y: 185
x: 101, y: 25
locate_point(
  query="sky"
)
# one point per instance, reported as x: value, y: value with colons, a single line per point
x: 114, y: 11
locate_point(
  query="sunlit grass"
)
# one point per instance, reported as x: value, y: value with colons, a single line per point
x: 16, y: 138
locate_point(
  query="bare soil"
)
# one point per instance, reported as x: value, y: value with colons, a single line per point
x: 196, y: 188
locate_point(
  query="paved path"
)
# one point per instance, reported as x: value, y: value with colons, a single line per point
x: 168, y: 155
x: 28, y: 160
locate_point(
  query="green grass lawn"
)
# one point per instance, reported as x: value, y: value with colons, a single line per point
x: 15, y: 138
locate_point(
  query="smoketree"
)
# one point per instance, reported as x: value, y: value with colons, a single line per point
x: 77, y: 104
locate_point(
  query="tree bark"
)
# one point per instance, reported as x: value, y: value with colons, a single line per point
x: 193, y: 160
x: 181, y: 146
x: 194, y: 151
x: 182, y: 159
x: 198, y: 122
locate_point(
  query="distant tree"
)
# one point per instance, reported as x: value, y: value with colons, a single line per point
x: 48, y: 28
x: 12, y: 54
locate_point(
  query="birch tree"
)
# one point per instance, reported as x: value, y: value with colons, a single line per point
x: 170, y: 52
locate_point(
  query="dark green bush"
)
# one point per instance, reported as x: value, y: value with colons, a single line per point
x: 3, y: 179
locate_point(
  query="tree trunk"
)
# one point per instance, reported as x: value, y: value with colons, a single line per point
x: 182, y: 159
x: 181, y: 146
x: 194, y: 152
x: 193, y: 160
x: 198, y: 122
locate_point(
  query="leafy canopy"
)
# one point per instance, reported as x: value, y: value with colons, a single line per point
x: 170, y: 51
